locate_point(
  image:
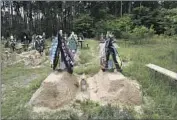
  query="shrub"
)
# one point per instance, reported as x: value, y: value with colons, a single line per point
x: 170, y: 19
x: 84, y: 24
x: 141, y: 32
x: 117, y: 26
x: 125, y: 35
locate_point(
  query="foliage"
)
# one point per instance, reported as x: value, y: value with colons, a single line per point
x: 89, y: 17
x: 141, y: 15
x: 117, y: 26
x: 163, y: 20
x: 162, y: 90
x: 171, y: 22
x: 84, y: 23
x: 141, y: 32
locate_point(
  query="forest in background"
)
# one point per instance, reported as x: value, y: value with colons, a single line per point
x: 126, y: 19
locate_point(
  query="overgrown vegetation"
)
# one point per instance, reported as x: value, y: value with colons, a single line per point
x: 160, y: 51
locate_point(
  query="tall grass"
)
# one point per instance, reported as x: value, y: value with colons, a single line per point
x: 163, y: 90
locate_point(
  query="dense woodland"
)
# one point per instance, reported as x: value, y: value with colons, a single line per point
x: 125, y: 18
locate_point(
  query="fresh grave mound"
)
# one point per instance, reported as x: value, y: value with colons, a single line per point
x: 114, y: 88
x: 56, y: 90
x: 32, y: 58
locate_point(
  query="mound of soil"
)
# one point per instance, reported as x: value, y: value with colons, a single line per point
x: 32, y: 58
x: 114, y: 88
x: 57, y: 89
x: 61, y: 89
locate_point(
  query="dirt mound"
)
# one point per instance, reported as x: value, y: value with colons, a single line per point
x: 114, y: 88
x: 56, y: 90
x: 61, y: 89
x: 32, y: 58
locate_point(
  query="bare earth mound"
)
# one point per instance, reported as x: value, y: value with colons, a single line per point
x: 60, y: 89
x: 32, y: 58
x: 56, y: 90
x: 114, y: 88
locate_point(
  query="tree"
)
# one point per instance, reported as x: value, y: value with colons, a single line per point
x: 84, y: 23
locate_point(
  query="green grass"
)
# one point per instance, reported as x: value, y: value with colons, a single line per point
x: 162, y: 52
x: 89, y: 62
x: 93, y: 110
x: 16, y: 95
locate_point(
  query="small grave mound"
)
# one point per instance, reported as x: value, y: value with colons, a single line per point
x: 32, y: 58
x: 57, y: 90
x: 114, y: 88
x: 60, y: 89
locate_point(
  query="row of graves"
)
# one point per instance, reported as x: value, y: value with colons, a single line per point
x: 18, y: 46
x: 23, y: 50
x: 38, y: 42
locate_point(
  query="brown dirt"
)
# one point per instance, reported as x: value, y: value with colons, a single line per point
x: 60, y: 89
x: 113, y: 88
x: 56, y: 90
x: 32, y: 58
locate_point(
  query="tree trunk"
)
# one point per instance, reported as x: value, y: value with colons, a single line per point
x: 30, y: 16
x: 62, y: 15
x: 38, y: 17
x: 11, y: 16
x: 115, y: 8
x: 129, y: 7
x: 2, y: 18
x: 140, y: 3
x: 121, y: 9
